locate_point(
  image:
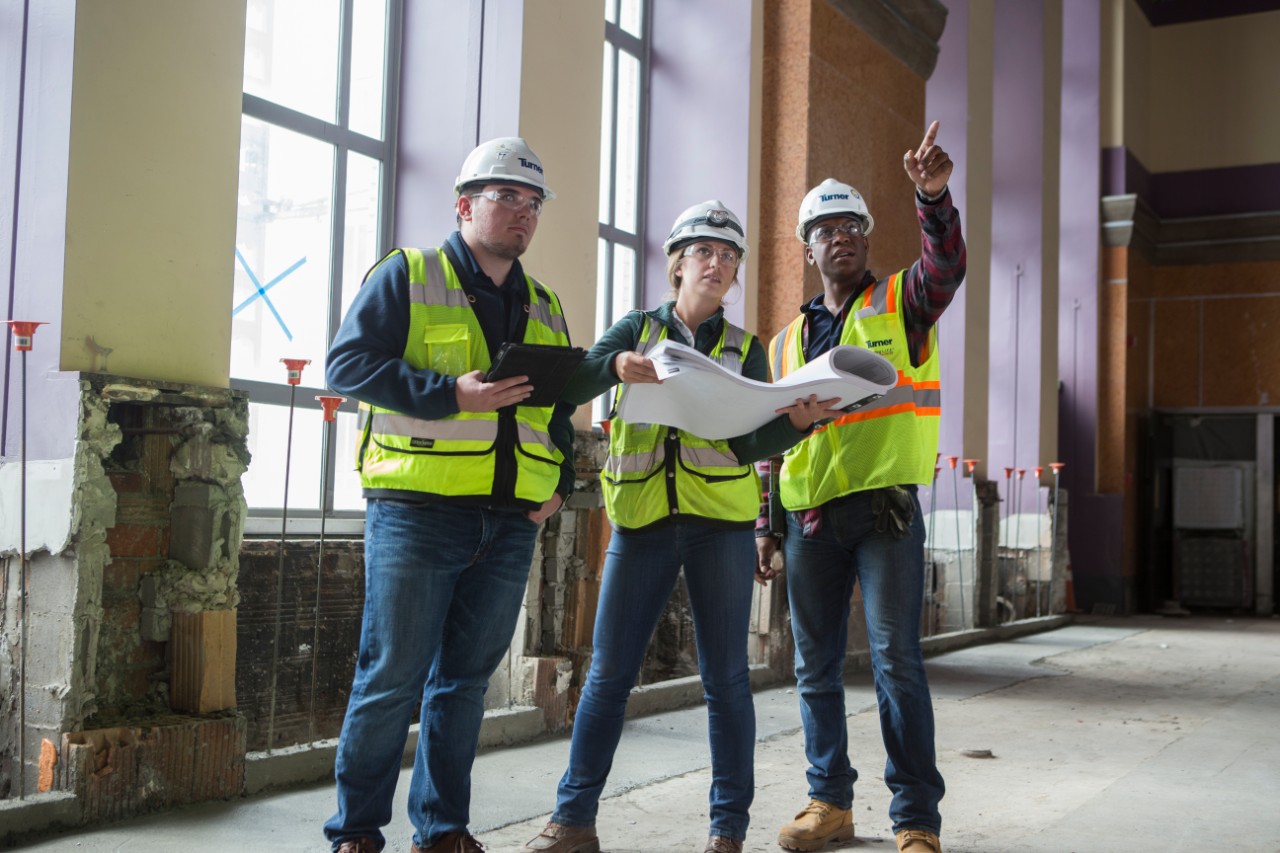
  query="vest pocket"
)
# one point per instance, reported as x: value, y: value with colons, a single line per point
x: 448, y: 348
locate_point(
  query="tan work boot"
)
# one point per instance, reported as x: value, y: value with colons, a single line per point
x: 559, y: 838
x: 817, y: 824
x: 918, y: 841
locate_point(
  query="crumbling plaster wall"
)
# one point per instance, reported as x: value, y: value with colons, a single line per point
x: 71, y: 669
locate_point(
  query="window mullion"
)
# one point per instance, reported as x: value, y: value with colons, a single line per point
x: 345, y: 26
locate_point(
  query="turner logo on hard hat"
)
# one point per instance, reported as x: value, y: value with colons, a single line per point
x: 832, y: 198
x: 507, y: 160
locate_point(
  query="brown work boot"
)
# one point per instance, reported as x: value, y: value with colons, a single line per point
x: 918, y: 841
x: 817, y: 824
x: 452, y: 842
x: 720, y: 844
x: 561, y: 838
x: 359, y: 845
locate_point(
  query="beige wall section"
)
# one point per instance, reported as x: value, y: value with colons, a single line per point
x: 1050, y: 229
x: 750, y: 295
x: 151, y: 190
x: 560, y: 108
x: 977, y: 232
x: 1221, y: 112
x: 1126, y: 78
x: 1111, y: 73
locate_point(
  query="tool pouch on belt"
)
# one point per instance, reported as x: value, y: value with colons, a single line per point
x: 894, y: 511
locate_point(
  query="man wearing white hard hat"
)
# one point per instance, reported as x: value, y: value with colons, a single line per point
x: 458, y: 472
x: 852, y: 516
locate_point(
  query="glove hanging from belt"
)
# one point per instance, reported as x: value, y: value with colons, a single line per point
x: 894, y: 511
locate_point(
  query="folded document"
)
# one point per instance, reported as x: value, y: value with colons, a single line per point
x: 701, y: 397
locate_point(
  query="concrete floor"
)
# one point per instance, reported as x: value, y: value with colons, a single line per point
x: 1114, y: 734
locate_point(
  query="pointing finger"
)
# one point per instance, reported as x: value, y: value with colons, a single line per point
x: 929, y: 135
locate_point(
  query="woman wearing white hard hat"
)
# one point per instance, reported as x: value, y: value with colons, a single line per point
x: 676, y: 500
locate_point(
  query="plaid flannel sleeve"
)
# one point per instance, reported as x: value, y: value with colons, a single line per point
x: 933, y: 280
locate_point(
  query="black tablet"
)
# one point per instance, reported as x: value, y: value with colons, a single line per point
x: 548, y: 369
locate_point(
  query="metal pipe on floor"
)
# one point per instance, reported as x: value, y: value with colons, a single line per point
x: 1053, y: 531
x: 294, y: 367
x: 955, y: 486
x: 1017, y: 506
x: 24, y: 332
x: 931, y: 572
x: 330, y: 405
x: 1038, y: 470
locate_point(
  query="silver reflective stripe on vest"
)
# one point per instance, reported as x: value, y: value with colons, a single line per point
x: 529, y: 435
x: 900, y: 394
x: 435, y: 291
x: 636, y: 463
x: 541, y: 311
x: 444, y: 430
x: 895, y: 396
x: 731, y: 354
x: 709, y: 457
x: 730, y: 357
x: 650, y: 336
x: 880, y: 296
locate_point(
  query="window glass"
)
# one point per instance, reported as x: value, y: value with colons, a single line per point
x: 627, y: 157
x: 282, y: 251
x: 283, y: 228
x: 606, y: 135
x: 291, y: 54
x: 631, y: 16
x: 346, y: 480
x: 624, y: 281
x: 268, y: 443
x: 360, y: 246
x: 603, y: 286
x: 318, y: 111
x: 368, y: 58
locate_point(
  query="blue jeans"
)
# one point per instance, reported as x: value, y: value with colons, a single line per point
x: 640, y: 572
x: 443, y: 588
x: 821, y: 572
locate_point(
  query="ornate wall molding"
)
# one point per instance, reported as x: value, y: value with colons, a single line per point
x: 1127, y: 220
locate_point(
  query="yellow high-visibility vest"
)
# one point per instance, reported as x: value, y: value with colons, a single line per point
x: 657, y: 473
x: 494, y: 458
x: 890, y: 442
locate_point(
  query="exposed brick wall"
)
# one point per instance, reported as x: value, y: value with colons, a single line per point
x: 341, y: 604
x: 165, y: 762
x: 131, y: 671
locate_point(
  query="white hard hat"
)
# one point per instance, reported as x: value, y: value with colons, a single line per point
x: 832, y: 198
x: 707, y: 220
x: 508, y: 159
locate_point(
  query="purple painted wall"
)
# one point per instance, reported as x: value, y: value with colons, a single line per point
x: 1016, y: 242
x: 34, y: 147
x: 947, y: 100
x: 1097, y: 521
x: 1195, y: 192
x: 699, y: 122
x: 454, y: 93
